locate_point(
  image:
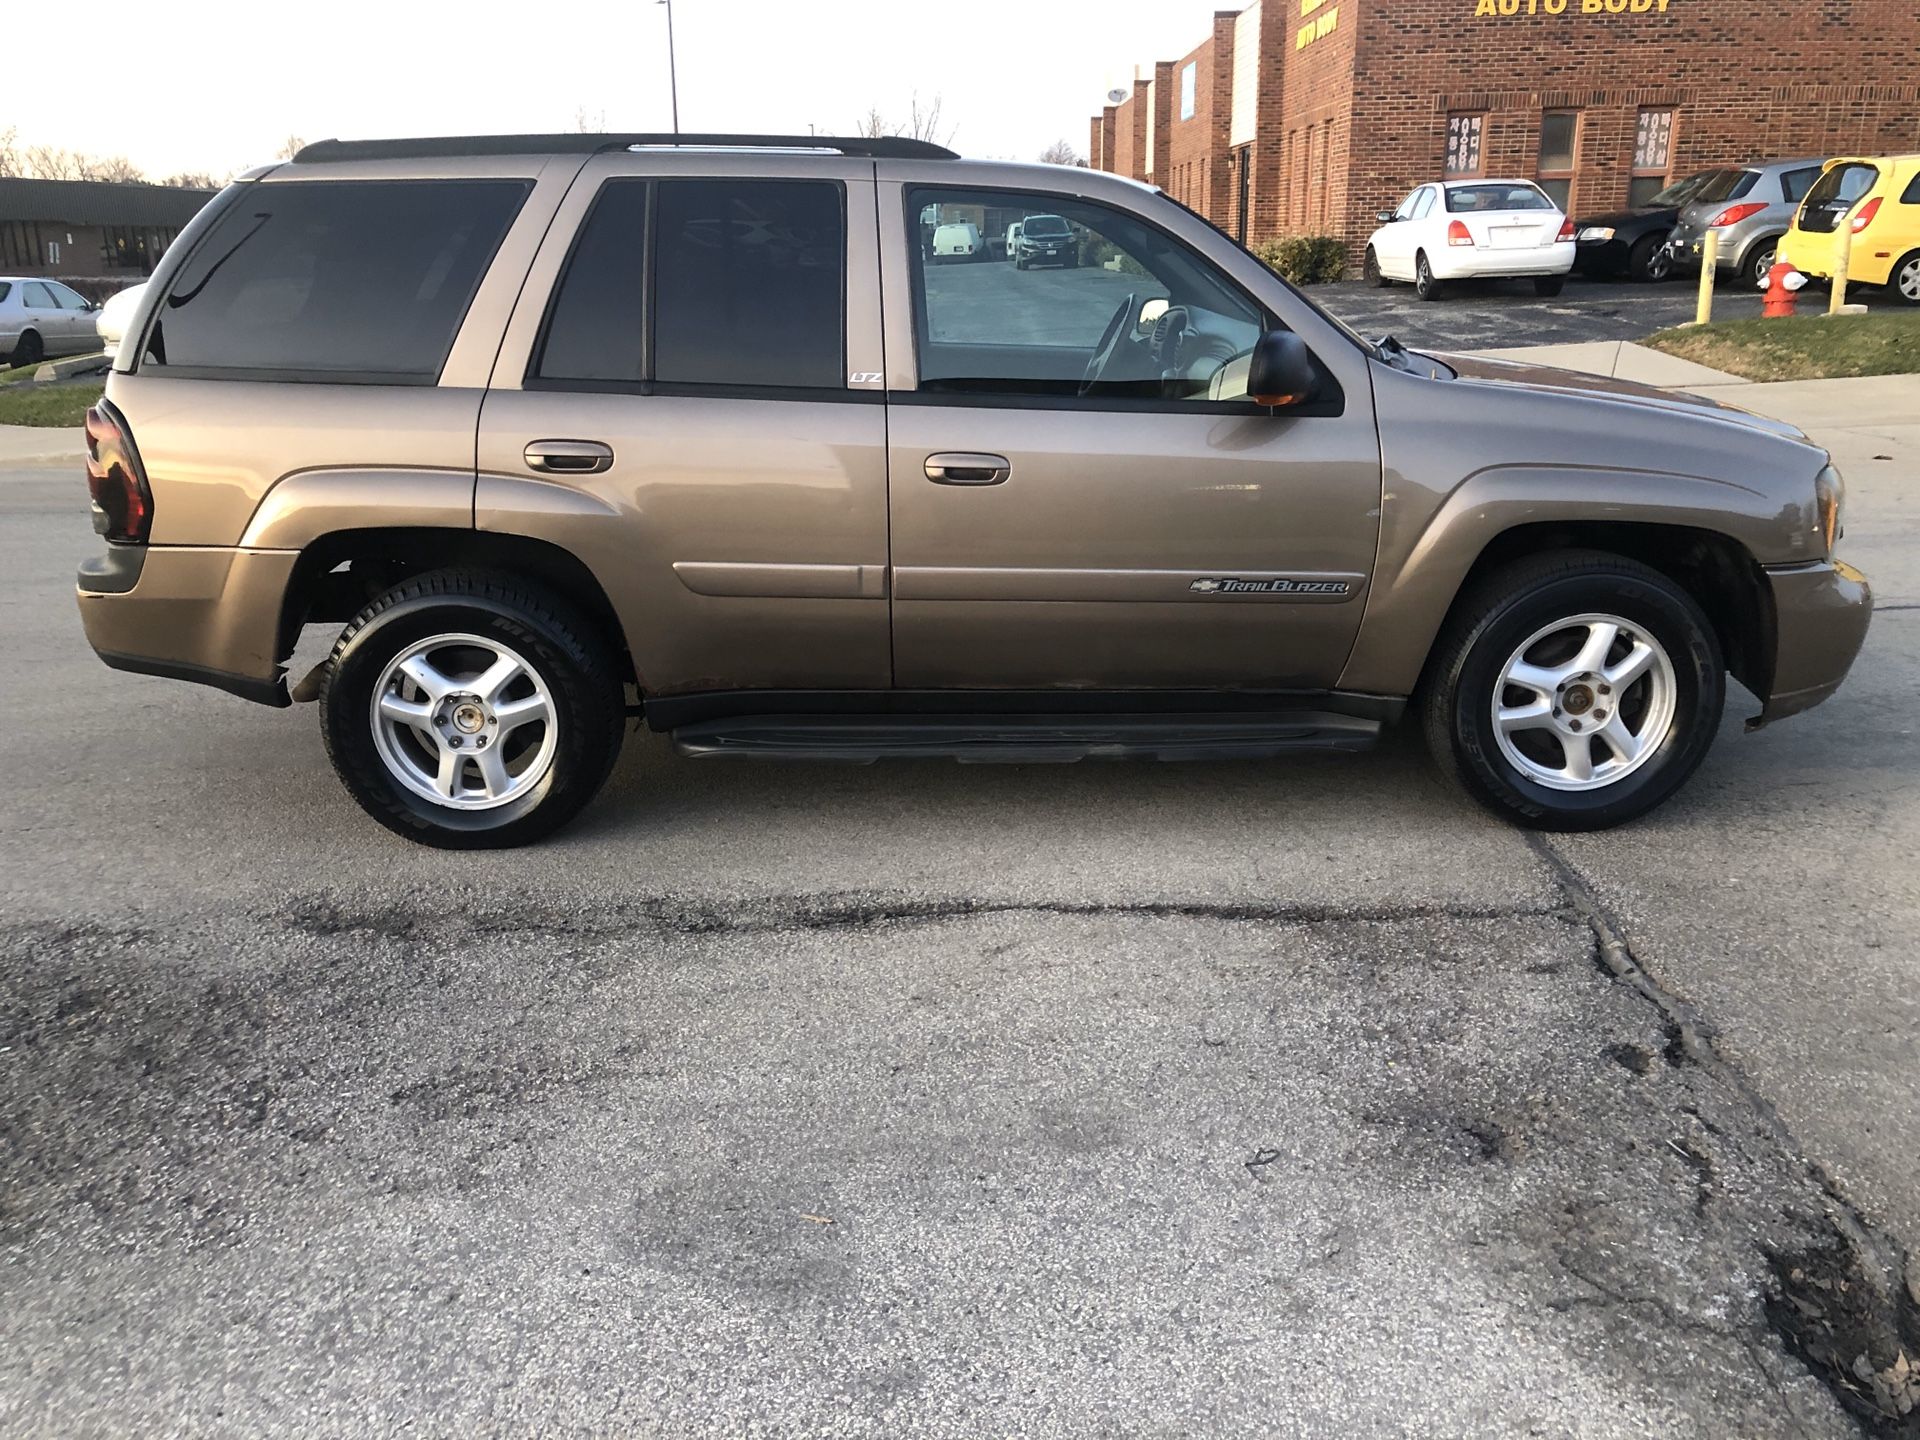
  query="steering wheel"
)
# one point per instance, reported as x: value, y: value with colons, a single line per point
x: 1109, y: 342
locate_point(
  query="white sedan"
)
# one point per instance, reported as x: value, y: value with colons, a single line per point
x: 1473, y: 230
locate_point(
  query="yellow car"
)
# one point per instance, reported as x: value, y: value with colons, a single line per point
x: 1878, y: 200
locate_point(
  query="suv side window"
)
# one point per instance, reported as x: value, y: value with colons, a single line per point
x: 1125, y: 312
x: 748, y: 288
x: 348, y: 281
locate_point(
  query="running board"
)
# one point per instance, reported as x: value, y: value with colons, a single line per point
x: 1023, y: 739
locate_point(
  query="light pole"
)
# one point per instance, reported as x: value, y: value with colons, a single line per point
x: 673, y: 68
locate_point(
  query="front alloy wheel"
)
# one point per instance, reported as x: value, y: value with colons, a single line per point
x: 1574, y: 691
x: 469, y: 710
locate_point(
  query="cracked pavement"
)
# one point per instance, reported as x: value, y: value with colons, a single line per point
x: 1283, y: 1098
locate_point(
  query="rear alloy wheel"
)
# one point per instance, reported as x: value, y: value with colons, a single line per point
x: 1424, y: 284
x: 470, y: 711
x: 1548, y: 286
x: 1650, y: 260
x: 1575, y: 691
x: 1370, y: 270
x: 27, y: 350
x: 1759, y: 263
x: 1906, y: 279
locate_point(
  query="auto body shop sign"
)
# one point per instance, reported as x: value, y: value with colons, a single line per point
x: 1506, y: 9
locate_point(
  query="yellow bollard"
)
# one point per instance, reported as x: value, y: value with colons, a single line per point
x: 1709, y: 262
x: 1843, y: 263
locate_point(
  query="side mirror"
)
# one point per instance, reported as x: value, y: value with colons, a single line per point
x: 1385, y: 217
x: 1281, y: 372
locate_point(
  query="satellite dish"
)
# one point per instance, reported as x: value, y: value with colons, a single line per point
x: 1114, y: 97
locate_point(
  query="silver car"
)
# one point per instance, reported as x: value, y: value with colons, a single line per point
x: 39, y: 318
x: 1752, y: 209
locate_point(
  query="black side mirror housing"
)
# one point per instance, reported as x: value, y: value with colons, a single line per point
x: 1281, y: 373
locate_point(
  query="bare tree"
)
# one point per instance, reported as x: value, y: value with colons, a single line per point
x: 193, y: 180
x: 9, y: 151
x: 589, y: 122
x: 290, y: 147
x: 923, y: 123
x: 116, y: 168
x: 1061, y: 152
x: 50, y: 162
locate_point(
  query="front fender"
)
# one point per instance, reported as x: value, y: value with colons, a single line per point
x: 1425, y: 558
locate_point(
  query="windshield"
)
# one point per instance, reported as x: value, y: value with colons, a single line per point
x: 1466, y: 199
x: 1727, y: 185
x: 1682, y: 191
x: 1043, y: 225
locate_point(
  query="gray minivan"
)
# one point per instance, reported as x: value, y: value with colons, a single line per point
x: 1752, y: 209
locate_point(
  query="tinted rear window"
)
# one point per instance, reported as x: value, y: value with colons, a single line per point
x: 1910, y: 197
x: 1796, y: 183
x: 1466, y: 199
x: 1727, y: 185
x: 749, y: 283
x: 5, y: 290
x: 344, y: 280
x: 1834, y: 194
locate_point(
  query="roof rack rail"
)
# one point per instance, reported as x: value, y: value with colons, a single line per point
x: 885, y: 147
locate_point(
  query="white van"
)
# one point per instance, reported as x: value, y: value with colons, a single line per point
x: 958, y: 241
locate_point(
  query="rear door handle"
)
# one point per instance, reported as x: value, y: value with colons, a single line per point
x: 965, y: 468
x: 569, y: 457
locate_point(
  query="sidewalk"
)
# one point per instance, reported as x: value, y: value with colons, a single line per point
x: 1622, y: 360
x: 41, y: 442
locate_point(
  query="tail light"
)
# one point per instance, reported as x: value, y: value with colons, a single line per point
x: 1567, y: 232
x: 122, y: 503
x: 1734, y: 214
x: 1865, y: 217
x: 1458, y: 234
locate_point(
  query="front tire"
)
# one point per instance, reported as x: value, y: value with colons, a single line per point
x: 1574, y: 691
x: 468, y: 710
x: 1650, y: 261
x: 1424, y: 283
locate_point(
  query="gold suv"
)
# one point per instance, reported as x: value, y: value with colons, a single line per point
x: 570, y: 429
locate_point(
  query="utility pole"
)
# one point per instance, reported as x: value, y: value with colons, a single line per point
x: 673, y: 67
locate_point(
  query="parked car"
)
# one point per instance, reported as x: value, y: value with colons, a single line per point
x: 1472, y: 230
x: 42, y: 318
x: 1878, y: 200
x: 1044, y: 240
x: 111, y: 320
x: 959, y: 241
x: 788, y: 497
x: 1633, y: 242
x: 1751, y: 208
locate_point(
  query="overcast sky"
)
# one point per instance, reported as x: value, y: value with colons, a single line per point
x: 216, y: 86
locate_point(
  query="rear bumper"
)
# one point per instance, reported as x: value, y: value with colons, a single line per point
x: 1484, y: 262
x: 1818, y: 256
x: 1821, y: 612
x: 211, y: 616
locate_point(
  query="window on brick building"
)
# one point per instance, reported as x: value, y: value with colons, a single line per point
x: 1463, y: 144
x: 1652, y: 156
x: 1559, y: 154
x: 1189, y: 89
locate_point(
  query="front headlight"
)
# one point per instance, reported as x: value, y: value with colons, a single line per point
x: 1830, y: 503
x: 1597, y: 232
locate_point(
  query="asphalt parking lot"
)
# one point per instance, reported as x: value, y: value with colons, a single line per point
x: 922, y: 1099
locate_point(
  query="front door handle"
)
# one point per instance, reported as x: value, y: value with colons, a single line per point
x: 569, y: 457
x: 968, y: 469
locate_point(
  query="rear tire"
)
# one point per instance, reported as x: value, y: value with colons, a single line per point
x: 554, y: 725
x: 1424, y: 283
x: 1650, y: 263
x: 28, y: 350
x: 1758, y: 262
x: 1904, y: 280
x: 1548, y: 286
x: 1523, y: 765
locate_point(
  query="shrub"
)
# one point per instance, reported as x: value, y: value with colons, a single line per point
x: 1306, y: 259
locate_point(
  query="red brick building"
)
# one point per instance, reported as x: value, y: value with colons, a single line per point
x: 1311, y: 116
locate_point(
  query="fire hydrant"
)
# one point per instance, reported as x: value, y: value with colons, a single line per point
x: 1782, y: 283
